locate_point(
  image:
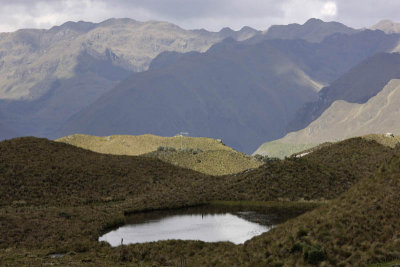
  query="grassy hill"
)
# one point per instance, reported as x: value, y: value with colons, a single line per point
x: 57, y: 198
x: 40, y: 172
x: 323, y: 174
x: 383, y: 139
x: 212, y: 162
x: 276, y: 149
x: 358, y: 228
x: 206, y: 155
x: 140, y: 144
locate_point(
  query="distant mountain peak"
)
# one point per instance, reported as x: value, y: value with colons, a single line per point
x: 226, y: 30
x: 247, y: 29
x: 313, y: 30
x: 313, y: 21
x: 80, y: 26
x: 387, y: 26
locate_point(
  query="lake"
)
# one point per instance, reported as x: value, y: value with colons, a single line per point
x: 209, y: 223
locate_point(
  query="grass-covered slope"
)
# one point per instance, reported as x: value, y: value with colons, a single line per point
x: 57, y: 198
x: 140, y: 144
x: 205, y: 155
x: 212, y: 162
x: 358, y: 228
x: 41, y: 172
x: 323, y: 174
x: 276, y: 149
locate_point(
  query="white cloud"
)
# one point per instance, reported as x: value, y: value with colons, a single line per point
x: 329, y: 9
x: 301, y: 10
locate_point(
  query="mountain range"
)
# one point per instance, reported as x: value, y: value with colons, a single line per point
x: 387, y: 26
x: 49, y: 75
x: 381, y: 114
x: 358, y: 85
x: 30, y: 57
x: 122, y: 76
x: 350, y: 106
x: 227, y: 92
x: 243, y: 92
x: 313, y: 30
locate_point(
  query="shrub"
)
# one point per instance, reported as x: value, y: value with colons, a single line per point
x: 166, y: 149
x: 265, y: 158
x: 298, y: 247
x: 277, y: 264
x: 302, y: 232
x: 313, y: 254
x: 64, y: 215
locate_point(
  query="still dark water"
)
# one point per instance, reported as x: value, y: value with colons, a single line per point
x: 205, y: 223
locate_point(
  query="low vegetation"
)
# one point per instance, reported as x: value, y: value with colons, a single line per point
x: 323, y: 174
x: 212, y: 162
x: 281, y: 150
x: 133, y: 145
x: 357, y: 228
x: 205, y: 155
x: 57, y: 199
x: 387, y: 139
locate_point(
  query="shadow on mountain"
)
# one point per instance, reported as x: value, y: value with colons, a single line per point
x: 95, y: 74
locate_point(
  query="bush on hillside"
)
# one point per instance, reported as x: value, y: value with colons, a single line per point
x: 166, y: 149
x: 265, y: 158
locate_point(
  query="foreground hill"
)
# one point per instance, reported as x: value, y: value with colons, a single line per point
x: 57, y: 174
x: 57, y: 198
x: 323, y: 174
x: 358, y: 228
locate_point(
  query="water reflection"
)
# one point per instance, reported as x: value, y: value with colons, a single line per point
x: 205, y: 223
x: 209, y: 228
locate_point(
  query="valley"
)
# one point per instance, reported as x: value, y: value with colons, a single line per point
x: 141, y: 143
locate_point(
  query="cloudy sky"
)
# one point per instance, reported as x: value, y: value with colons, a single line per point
x: 191, y: 14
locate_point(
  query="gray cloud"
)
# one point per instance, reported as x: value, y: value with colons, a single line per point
x: 209, y: 14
